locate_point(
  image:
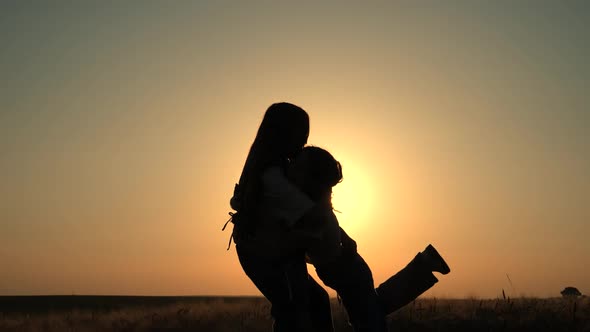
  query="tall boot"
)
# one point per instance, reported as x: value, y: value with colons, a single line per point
x: 406, y: 285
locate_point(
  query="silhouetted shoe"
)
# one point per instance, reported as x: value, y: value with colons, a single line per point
x: 435, y: 261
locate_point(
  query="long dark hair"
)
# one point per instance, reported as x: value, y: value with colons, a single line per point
x: 281, y: 135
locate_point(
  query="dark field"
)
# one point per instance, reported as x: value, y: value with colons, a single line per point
x: 133, y: 313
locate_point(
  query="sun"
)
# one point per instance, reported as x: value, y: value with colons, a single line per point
x: 353, y: 198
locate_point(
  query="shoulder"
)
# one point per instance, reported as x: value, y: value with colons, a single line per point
x: 283, y: 199
x: 274, y: 178
x: 273, y: 173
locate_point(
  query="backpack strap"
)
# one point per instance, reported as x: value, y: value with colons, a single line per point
x: 231, y: 217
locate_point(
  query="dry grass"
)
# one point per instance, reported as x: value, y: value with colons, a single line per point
x: 523, y: 314
x: 252, y: 314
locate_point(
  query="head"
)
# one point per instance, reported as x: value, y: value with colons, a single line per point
x: 315, y: 171
x: 280, y: 137
x: 283, y: 132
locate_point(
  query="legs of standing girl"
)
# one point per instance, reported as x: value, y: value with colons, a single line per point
x: 298, y: 303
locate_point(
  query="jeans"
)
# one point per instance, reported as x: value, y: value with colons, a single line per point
x: 366, y: 306
x: 298, y: 302
x: 406, y: 285
x: 351, y: 277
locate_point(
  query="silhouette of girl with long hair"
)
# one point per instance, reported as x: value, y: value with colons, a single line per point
x: 269, y: 251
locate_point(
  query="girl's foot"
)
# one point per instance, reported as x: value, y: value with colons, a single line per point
x: 435, y: 260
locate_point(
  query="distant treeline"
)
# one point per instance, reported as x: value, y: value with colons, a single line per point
x: 46, y: 303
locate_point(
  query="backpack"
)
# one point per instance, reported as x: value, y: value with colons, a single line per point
x: 244, y: 217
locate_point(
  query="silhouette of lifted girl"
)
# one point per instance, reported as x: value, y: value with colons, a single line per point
x: 316, y: 171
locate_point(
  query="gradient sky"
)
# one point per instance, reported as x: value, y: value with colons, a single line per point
x: 124, y: 125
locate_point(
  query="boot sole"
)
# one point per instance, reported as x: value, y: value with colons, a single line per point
x: 444, y: 268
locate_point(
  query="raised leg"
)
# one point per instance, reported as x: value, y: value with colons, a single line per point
x: 406, y: 285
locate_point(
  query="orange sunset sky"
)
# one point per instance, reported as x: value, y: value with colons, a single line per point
x: 124, y: 126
